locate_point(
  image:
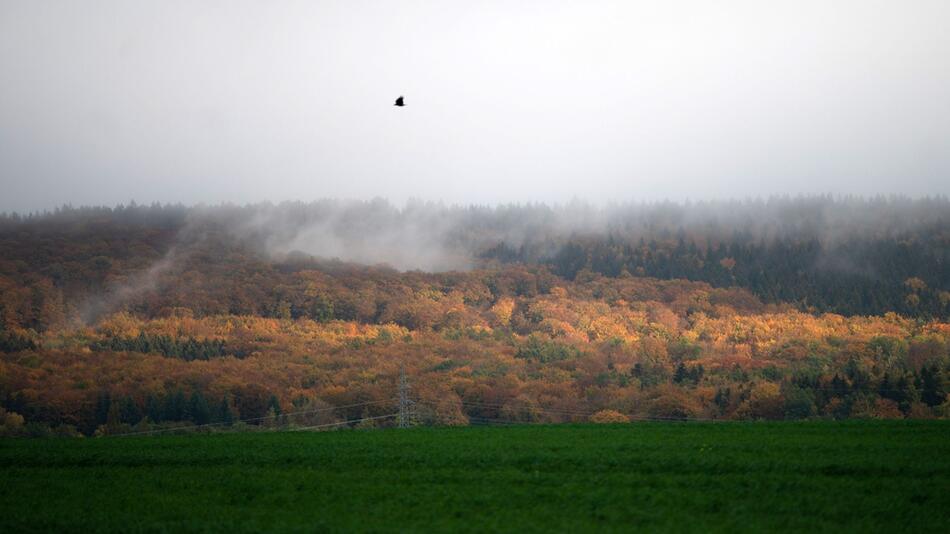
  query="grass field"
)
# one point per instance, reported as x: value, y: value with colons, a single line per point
x: 857, y: 475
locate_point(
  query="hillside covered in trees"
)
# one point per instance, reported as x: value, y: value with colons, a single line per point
x: 849, y: 256
x: 114, y: 319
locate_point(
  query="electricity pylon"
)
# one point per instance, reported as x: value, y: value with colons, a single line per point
x: 405, y: 404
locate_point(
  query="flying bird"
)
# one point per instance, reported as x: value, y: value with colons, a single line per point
x: 399, y: 102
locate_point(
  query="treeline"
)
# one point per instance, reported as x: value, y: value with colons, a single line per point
x: 175, y: 407
x: 187, y: 349
x: 111, y: 414
x: 849, y: 256
x: 854, y: 278
x: 854, y: 393
x: 511, y: 345
x: 738, y: 393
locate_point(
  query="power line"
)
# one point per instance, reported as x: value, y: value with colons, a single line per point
x: 254, y: 419
x: 589, y: 414
x: 492, y: 420
x: 405, y: 415
x: 360, y: 420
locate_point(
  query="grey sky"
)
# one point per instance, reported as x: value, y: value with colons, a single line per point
x: 102, y: 102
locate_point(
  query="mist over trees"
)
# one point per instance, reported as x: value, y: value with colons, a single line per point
x: 848, y: 256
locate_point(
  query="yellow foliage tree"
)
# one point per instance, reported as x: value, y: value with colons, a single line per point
x: 609, y: 416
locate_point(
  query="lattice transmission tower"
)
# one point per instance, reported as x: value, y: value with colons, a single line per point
x: 404, y: 420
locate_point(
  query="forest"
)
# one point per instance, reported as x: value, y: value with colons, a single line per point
x: 114, y: 320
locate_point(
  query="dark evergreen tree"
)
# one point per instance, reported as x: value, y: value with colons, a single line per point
x: 681, y: 374
x: 129, y: 412
x: 174, y: 406
x: 198, y: 411
x: 153, y: 409
x: 103, y: 403
x: 933, y: 391
x: 224, y: 414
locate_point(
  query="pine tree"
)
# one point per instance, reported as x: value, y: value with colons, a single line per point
x: 198, y: 410
x: 129, y: 412
x: 103, y: 404
x: 224, y: 414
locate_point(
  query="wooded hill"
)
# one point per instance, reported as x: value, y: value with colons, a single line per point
x: 849, y: 256
x: 155, y: 315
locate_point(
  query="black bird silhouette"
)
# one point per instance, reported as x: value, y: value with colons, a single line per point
x: 399, y: 102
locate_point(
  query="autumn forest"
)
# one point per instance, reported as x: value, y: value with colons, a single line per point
x: 126, y: 319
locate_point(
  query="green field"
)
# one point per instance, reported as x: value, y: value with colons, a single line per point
x: 856, y: 475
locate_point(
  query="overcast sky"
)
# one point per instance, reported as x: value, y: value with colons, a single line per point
x: 242, y: 101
